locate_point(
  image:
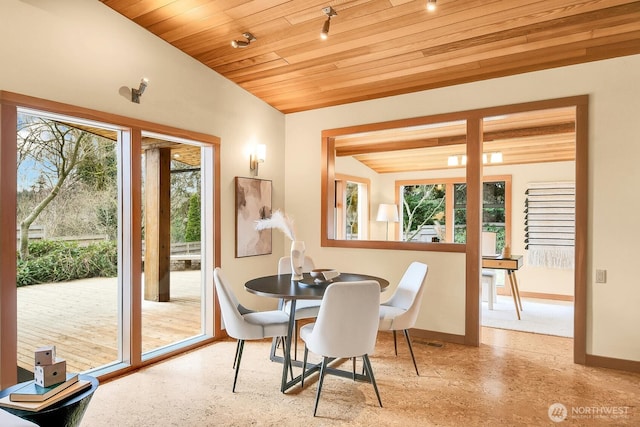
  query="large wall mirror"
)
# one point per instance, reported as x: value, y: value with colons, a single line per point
x: 403, y: 184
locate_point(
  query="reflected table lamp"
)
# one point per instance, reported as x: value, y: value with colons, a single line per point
x: 387, y: 213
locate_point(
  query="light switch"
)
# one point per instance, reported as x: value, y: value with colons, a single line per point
x: 601, y: 276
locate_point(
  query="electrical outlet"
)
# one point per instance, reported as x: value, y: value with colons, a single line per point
x: 601, y: 276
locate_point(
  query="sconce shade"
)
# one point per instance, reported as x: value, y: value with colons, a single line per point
x: 329, y: 11
x: 257, y: 156
x: 387, y: 212
x: 137, y: 93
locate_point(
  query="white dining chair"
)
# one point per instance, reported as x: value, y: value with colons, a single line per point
x: 305, y: 308
x: 401, y: 310
x: 243, y: 324
x: 346, y: 327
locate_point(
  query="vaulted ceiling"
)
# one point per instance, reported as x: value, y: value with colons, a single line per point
x: 380, y: 48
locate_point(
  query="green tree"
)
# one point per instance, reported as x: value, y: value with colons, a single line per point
x: 55, y: 149
x: 422, y: 205
x: 192, y: 232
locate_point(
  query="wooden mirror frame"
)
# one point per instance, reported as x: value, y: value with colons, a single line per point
x: 474, y: 174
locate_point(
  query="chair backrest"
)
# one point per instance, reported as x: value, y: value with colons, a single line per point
x: 284, y: 265
x: 408, y: 295
x: 234, y: 322
x: 347, y: 323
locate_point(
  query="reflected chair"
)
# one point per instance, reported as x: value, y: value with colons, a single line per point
x: 243, y: 324
x: 346, y: 327
x: 305, y: 308
x: 400, y: 312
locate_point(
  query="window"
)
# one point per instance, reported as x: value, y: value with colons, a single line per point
x: 436, y: 210
x: 103, y: 195
x: 352, y: 207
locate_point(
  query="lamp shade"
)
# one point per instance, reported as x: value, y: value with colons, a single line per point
x: 387, y: 212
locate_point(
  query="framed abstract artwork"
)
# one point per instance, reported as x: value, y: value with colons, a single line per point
x: 253, y: 202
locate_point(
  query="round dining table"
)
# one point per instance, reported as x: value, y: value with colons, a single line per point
x: 281, y: 286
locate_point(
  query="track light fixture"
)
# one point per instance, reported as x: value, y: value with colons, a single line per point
x: 241, y: 43
x: 137, y: 93
x: 329, y: 11
x: 431, y: 5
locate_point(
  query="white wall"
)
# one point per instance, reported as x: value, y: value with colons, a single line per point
x: 81, y: 52
x: 614, y: 147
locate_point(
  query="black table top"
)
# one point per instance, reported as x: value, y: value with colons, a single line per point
x: 281, y: 285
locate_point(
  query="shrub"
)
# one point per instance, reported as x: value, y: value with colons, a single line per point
x: 55, y: 261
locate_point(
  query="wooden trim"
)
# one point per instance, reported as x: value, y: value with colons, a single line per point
x: 8, y: 289
x: 9, y: 103
x: 612, y: 363
x: 474, y: 231
x: 540, y: 295
x: 437, y: 336
x: 18, y: 100
x: 582, y: 230
x: 474, y: 172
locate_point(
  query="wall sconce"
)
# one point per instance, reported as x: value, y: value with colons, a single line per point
x: 387, y: 213
x: 329, y: 11
x: 137, y: 93
x: 431, y: 5
x: 258, y: 156
x: 241, y: 43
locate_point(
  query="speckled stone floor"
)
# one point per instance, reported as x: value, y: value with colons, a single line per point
x: 512, y: 379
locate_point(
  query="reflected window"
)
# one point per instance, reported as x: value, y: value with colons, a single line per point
x: 423, y: 212
x: 436, y: 210
x: 352, y: 208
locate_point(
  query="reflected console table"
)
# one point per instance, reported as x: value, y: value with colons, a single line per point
x: 511, y: 264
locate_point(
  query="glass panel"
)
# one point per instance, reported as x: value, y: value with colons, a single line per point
x: 460, y: 213
x: 351, y: 211
x: 493, y: 211
x: 67, y: 215
x: 172, y: 278
x: 423, y: 213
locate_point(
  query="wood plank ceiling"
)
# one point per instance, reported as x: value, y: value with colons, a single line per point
x: 380, y: 48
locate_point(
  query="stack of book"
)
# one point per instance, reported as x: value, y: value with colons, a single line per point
x: 51, y: 384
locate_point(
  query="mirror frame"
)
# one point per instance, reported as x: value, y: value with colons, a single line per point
x: 472, y: 248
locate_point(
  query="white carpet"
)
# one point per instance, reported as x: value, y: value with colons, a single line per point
x: 538, y: 316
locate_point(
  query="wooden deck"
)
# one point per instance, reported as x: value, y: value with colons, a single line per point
x: 81, y: 319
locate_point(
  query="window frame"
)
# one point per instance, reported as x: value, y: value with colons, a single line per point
x: 131, y: 135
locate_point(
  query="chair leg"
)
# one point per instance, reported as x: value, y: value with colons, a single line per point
x: 367, y: 365
x: 304, y: 365
x: 235, y: 358
x: 406, y: 334
x: 320, y: 380
x: 237, y: 364
x: 395, y: 343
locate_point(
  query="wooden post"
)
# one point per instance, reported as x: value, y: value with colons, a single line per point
x: 157, y: 224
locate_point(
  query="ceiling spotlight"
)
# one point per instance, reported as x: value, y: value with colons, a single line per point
x: 431, y: 5
x: 329, y: 11
x: 137, y: 93
x: 241, y: 43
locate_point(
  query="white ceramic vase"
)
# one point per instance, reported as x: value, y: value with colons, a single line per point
x: 297, y: 259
